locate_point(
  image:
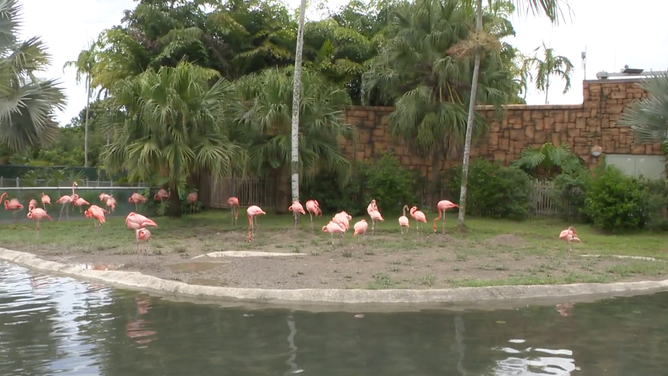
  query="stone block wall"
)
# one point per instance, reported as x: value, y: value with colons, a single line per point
x: 580, y: 126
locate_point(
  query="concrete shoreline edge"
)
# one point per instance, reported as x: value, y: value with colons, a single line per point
x: 349, y: 298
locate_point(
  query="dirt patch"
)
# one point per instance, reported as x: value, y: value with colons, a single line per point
x: 388, y: 259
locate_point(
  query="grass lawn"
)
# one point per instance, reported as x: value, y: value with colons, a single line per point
x: 493, y: 252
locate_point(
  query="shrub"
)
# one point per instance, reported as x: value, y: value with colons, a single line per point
x: 391, y: 184
x: 493, y: 190
x: 657, y: 205
x: 616, y: 202
x: 570, y: 193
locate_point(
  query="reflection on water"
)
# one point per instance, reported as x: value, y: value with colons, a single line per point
x: 51, y: 325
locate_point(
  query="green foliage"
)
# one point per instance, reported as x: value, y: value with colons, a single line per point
x: 548, y: 161
x: 391, y: 184
x: 616, y: 202
x: 493, y: 190
x: 386, y: 180
x: 658, y: 205
x: 647, y: 116
x: 570, y: 193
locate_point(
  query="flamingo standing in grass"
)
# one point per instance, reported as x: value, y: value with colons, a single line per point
x: 136, y: 222
x: 403, y: 220
x: 80, y: 202
x: 64, y: 201
x: 418, y: 216
x: 192, y: 200
x: 360, y: 227
x: 74, y: 195
x: 296, y: 208
x: 374, y: 213
x: 137, y: 199
x: 570, y: 236
x: 333, y: 228
x: 96, y: 213
x: 104, y: 197
x: 161, y: 195
x: 32, y: 204
x: 14, y: 205
x: 343, y: 220
x: 234, y: 205
x: 142, y: 235
x: 46, y: 200
x: 442, y: 206
x: 37, y: 214
x: 111, y: 203
x: 313, y: 208
x: 253, y: 211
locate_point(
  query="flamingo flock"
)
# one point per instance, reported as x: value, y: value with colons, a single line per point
x: 338, y: 225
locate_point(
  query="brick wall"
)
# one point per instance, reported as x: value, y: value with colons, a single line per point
x: 580, y: 126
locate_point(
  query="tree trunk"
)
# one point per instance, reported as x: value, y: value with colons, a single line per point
x: 469, y: 123
x: 174, y: 203
x: 435, y: 177
x: 296, y: 101
x: 282, y: 189
x: 547, y: 87
x: 88, y: 89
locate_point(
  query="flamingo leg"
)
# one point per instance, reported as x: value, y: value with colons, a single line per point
x: 331, y: 235
x: 37, y: 227
x: 250, y: 229
x: 443, y: 222
x: 311, y: 214
x: 233, y: 224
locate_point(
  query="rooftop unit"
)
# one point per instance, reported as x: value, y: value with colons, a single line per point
x: 628, y: 72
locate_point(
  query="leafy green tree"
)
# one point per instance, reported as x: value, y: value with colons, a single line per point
x: 264, y: 116
x: 548, y: 161
x: 647, y: 116
x: 174, y: 122
x: 27, y: 103
x: 552, y: 9
x: 547, y: 66
x: 419, y: 72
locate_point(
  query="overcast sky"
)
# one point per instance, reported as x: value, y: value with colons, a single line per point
x: 613, y: 32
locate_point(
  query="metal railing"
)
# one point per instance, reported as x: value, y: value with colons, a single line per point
x: 29, y: 183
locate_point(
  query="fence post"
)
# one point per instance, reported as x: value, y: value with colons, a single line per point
x: 2, y: 181
x: 18, y: 182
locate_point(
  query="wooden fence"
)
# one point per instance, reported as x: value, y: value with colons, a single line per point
x: 263, y: 192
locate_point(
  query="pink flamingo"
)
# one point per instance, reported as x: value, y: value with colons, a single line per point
x: 161, y: 195
x: 296, y: 208
x: 333, y: 228
x: 74, y: 195
x: 64, y: 201
x: 32, y: 204
x: 38, y: 214
x: 142, y: 235
x: 442, y: 206
x: 403, y: 220
x: 13, y: 204
x: 343, y: 220
x: 313, y: 208
x: 111, y: 203
x: 360, y: 227
x: 374, y: 213
x: 104, y: 197
x: 80, y: 202
x: 136, y: 221
x: 570, y: 236
x: 97, y: 213
x: 234, y: 205
x: 192, y: 200
x: 46, y: 200
x: 136, y: 199
x: 418, y: 216
x: 253, y: 211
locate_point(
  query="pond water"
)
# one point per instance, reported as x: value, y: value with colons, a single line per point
x: 53, y: 325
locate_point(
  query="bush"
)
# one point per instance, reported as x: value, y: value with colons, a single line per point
x: 657, y: 205
x: 570, y: 193
x: 616, y: 202
x: 391, y: 184
x: 493, y: 190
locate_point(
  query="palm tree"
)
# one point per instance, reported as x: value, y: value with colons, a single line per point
x: 27, y: 103
x: 84, y: 65
x: 552, y: 9
x: 428, y: 85
x: 550, y: 65
x: 172, y: 122
x: 647, y: 116
x: 264, y: 113
x: 296, y: 102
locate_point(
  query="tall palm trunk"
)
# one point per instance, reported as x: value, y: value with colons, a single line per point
x: 88, y: 90
x: 469, y: 123
x: 296, y: 101
x: 547, y: 87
